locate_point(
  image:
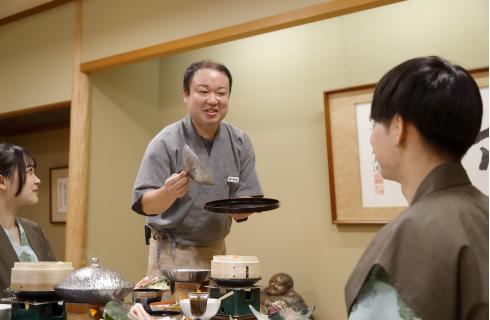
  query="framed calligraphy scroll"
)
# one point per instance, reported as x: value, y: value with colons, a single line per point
x: 58, y: 190
x: 358, y: 192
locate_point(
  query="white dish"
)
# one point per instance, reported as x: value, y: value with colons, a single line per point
x: 5, y: 311
x: 212, y: 308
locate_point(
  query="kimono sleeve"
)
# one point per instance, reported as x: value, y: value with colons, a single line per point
x: 153, y: 171
x: 249, y: 182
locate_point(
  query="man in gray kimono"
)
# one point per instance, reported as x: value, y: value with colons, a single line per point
x: 183, y: 233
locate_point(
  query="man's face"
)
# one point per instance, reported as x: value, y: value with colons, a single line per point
x: 383, y: 142
x: 207, y: 100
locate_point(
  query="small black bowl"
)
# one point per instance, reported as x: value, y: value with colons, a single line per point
x: 146, y: 296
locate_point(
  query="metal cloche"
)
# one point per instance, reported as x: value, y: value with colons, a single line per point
x: 93, y: 284
x: 94, y: 277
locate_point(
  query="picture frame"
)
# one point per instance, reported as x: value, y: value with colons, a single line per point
x: 58, y: 194
x: 347, y: 144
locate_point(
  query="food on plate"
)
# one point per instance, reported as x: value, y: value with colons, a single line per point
x: 276, y: 306
x: 162, y: 284
x: 165, y: 305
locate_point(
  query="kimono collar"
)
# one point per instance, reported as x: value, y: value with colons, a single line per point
x: 446, y: 175
x: 192, y: 133
x: 195, y: 141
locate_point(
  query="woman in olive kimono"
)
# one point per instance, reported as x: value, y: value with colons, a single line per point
x: 20, y: 239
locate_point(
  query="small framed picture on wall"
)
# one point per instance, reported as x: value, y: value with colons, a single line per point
x: 58, y: 189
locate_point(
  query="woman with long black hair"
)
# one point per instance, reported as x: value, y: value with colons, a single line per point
x: 20, y: 239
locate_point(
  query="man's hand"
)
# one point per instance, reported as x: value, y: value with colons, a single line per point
x: 145, y: 282
x: 159, y: 200
x: 240, y: 216
x: 177, y: 184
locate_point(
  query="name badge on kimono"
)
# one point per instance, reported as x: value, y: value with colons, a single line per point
x: 233, y: 179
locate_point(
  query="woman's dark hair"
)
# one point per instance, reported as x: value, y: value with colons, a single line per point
x: 205, y: 64
x: 440, y: 99
x: 13, y: 159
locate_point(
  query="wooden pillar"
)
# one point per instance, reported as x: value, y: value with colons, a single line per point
x: 76, y: 231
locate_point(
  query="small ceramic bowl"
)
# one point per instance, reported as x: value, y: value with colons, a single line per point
x: 5, y: 311
x: 212, y: 308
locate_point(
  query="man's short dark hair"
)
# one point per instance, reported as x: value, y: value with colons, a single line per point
x: 204, y: 64
x: 440, y: 99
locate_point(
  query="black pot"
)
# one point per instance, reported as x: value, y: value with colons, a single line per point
x: 146, y: 296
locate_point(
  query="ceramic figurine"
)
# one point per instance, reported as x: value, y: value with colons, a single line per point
x: 281, y: 288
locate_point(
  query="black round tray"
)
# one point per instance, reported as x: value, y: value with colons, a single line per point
x: 242, y: 205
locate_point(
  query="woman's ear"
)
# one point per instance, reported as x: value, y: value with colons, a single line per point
x: 3, y: 183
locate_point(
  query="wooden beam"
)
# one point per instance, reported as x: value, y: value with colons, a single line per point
x: 32, y: 11
x: 76, y: 224
x: 314, y: 13
x: 35, y: 110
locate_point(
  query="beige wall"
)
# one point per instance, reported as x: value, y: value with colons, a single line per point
x: 36, y: 63
x: 277, y: 97
x: 50, y: 148
x: 133, y: 25
x: 36, y: 59
x: 124, y: 117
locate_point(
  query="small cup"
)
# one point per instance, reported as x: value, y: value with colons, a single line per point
x: 198, y: 302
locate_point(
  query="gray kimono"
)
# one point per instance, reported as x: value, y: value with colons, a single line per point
x: 232, y: 161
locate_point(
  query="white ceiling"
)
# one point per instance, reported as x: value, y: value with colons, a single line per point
x: 11, y: 7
